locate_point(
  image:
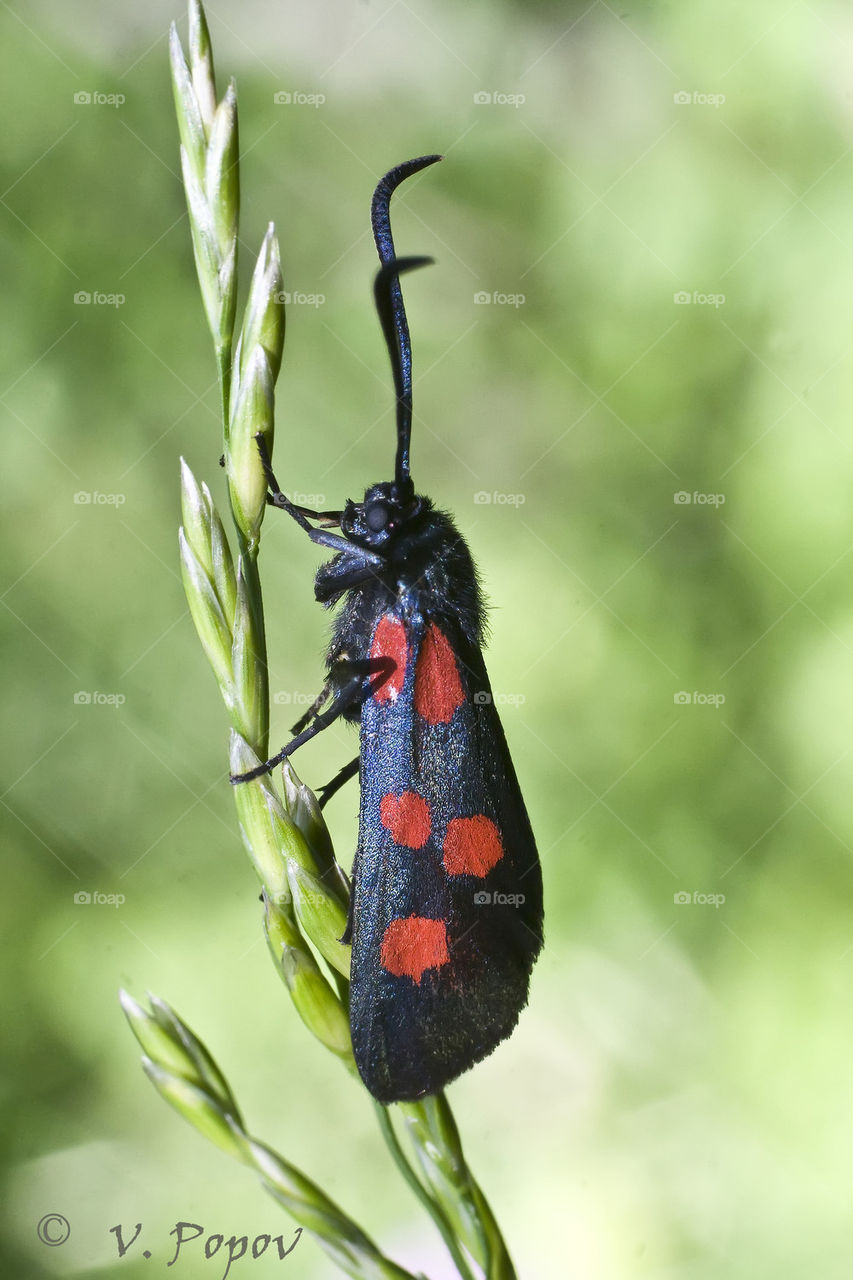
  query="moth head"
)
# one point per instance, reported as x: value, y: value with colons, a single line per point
x: 383, y: 513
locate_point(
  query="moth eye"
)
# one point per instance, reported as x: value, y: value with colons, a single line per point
x: 377, y: 516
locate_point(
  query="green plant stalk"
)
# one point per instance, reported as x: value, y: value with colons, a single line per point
x: 209, y: 160
x: 209, y: 135
x: 185, y: 1074
x: 305, y: 892
x: 438, y: 1152
x: 432, y: 1206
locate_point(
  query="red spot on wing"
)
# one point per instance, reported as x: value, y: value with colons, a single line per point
x: 389, y: 641
x: 438, y: 689
x: 407, y: 818
x: 412, y: 945
x: 472, y: 846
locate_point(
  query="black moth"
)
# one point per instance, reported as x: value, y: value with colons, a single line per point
x: 446, y: 910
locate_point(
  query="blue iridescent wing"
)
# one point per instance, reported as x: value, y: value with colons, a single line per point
x: 447, y: 893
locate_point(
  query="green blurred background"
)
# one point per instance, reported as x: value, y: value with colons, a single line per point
x: 676, y: 1100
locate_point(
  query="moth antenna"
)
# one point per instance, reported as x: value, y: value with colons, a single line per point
x: 392, y: 312
x: 384, y: 286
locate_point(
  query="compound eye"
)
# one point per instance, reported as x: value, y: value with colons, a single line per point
x: 377, y: 516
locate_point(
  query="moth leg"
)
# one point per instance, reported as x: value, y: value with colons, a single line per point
x: 342, y: 673
x: 333, y: 578
x: 335, y: 541
x: 328, y: 518
x: 275, y: 497
x: 340, y: 779
x: 313, y: 710
x: 351, y: 693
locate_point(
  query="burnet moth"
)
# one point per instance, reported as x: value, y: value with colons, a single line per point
x: 446, y: 909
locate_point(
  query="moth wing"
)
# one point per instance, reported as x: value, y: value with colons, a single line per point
x: 447, y: 894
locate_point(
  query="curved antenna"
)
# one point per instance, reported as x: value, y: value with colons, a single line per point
x: 392, y: 313
x: 385, y: 287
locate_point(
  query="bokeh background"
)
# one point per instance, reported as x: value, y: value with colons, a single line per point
x: 656, y: 201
